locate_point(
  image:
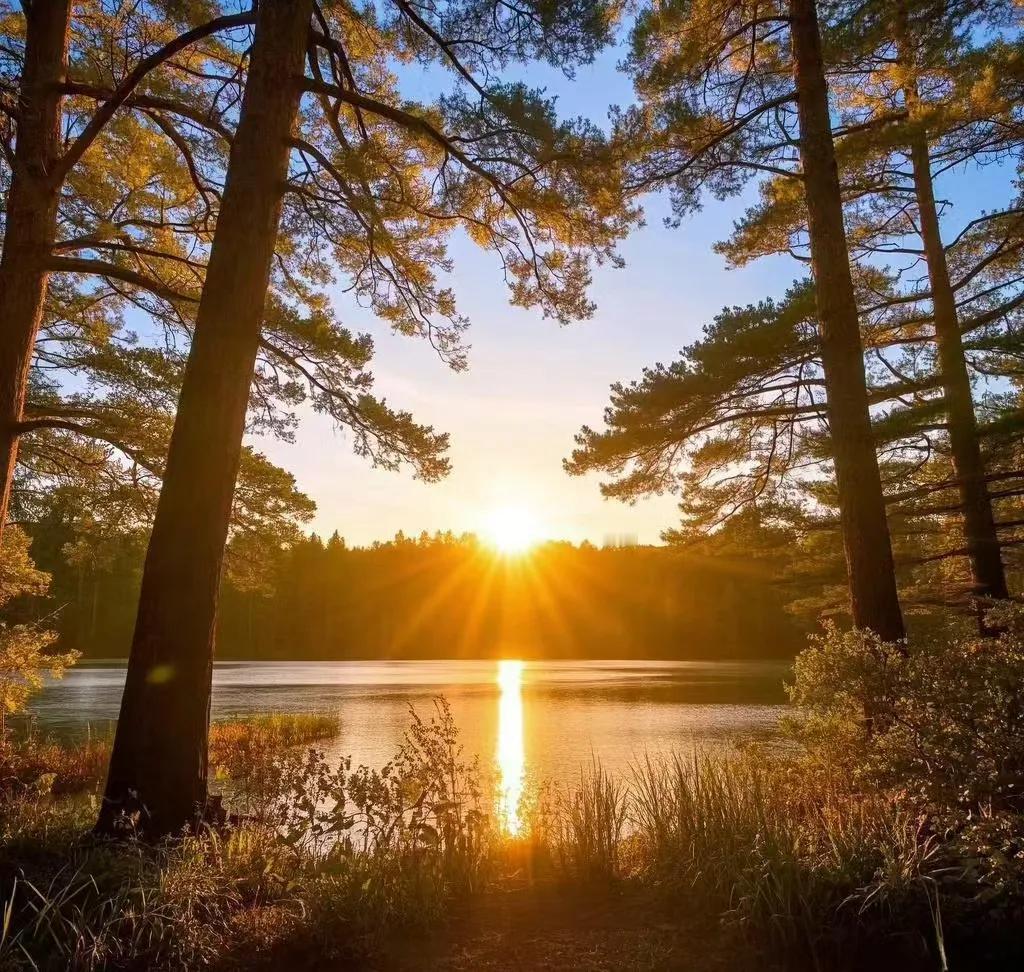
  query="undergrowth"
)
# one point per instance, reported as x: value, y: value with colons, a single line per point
x: 814, y: 857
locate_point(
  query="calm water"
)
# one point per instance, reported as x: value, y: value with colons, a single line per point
x: 534, y: 720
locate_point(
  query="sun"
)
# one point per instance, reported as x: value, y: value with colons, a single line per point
x: 512, y: 529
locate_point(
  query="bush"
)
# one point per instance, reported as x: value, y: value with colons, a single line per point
x: 325, y: 864
x: 34, y: 763
x: 26, y: 653
x: 244, y: 754
x: 803, y: 853
x: 937, y: 729
x: 940, y: 724
x: 426, y: 807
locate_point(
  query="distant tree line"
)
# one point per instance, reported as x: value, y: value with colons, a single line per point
x: 444, y: 596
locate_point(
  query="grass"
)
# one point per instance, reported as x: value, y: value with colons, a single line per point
x: 266, y: 733
x: 591, y: 818
x: 762, y: 856
x: 36, y: 762
x: 86, y: 905
x: 796, y: 863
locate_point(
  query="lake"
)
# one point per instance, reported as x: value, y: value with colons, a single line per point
x: 535, y: 720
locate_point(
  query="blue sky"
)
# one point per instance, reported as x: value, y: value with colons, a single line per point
x: 531, y: 383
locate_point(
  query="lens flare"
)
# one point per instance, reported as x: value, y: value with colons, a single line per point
x: 511, y: 749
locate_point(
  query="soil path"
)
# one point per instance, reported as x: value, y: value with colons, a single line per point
x: 541, y: 929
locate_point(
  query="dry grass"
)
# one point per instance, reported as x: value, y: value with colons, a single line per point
x: 37, y: 763
x: 761, y: 852
x: 236, y: 744
x: 43, y: 764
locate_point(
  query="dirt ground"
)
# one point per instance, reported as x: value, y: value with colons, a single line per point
x: 540, y: 929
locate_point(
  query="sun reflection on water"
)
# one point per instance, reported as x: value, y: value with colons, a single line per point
x: 511, y: 751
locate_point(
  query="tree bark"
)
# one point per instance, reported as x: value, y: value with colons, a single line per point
x: 31, y: 218
x: 874, y: 601
x: 982, y: 540
x: 158, y: 766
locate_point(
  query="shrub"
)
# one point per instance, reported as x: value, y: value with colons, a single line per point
x: 806, y: 861
x: 246, y: 754
x: 25, y: 649
x: 425, y: 808
x: 939, y: 723
x: 336, y: 856
x: 46, y: 766
x: 937, y: 729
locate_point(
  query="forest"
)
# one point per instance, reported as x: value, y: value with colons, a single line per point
x: 453, y: 597
x: 200, y: 198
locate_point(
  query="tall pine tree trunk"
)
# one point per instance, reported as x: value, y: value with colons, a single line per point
x: 983, y: 550
x: 874, y: 600
x: 31, y: 218
x: 159, y: 762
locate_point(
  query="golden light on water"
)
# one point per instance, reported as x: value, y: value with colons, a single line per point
x: 511, y: 750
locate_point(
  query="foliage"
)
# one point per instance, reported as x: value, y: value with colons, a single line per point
x: 33, y: 764
x: 237, y: 744
x: 939, y: 721
x: 325, y: 599
x: 727, y: 425
x: 914, y: 99
x: 380, y: 179
x: 94, y: 906
x: 18, y: 575
x: 332, y: 862
x: 25, y: 655
x: 737, y: 422
x: 937, y: 727
x: 801, y: 866
x: 796, y: 864
x: 331, y: 856
x: 137, y: 214
x: 428, y: 798
x: 407, y: 598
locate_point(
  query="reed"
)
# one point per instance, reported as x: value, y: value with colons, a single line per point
x: 590, y: 820
x: 238, y: 746
x: 799, y: 864
x: 796, y: 862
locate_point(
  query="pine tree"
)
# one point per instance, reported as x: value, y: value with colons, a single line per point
x: 158, y: 763
x: 738, y: 88
x: 915, y: 92
x: 41, y: 163
x: 377, y: 185
x: 737, y: 426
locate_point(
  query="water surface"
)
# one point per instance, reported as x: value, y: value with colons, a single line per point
x: 533, y: 720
